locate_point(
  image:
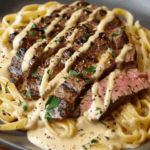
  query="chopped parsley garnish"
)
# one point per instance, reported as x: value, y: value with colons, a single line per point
x: 87, y: 80
x: 100, y: 110
x: 0, y: 89
x: 52, y: 103
x: 65, y: 78
x: 6, y: 90
x: 101, y: 122
x: 86, y: 7
x: 40, y: 51
x: 113, y: 130
x: 48, y: 117
x: 40, y: 118
x: 34, y: 73
x: 17, y: 53
x: 84, y: 147
x: 121, y: 31
x: 40, y: 78
x: 3, y: 111
x: 43, y: 37
x: 115, y: 34
x: 25, y: 107
x: 94, y: 141
x: 139, y: 27
x: 28, y: 93
x: 77, y: 57
x: 33, y: 27
x: 110, y: 48
x: 73, y: 73
x: 59, y: 40
x: 107, y: 137
x: 48, y: 71
x: 114, y: 54
x: 87, y: 34
x: 92, y: 70
x: 21, y: 27
x: 50, y: 15
x: 31, y: 33
x: 19, y: 102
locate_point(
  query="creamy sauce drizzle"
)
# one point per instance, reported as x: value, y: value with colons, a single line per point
x: 39, y: 132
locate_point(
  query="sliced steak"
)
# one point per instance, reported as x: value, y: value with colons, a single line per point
x: 85, y: 31
x: 127, y: 83
x: 89, y: 60
x: 38, y: 32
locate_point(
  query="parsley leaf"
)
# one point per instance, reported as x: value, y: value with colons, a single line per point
x: 40, y: 78
x: 121, y: 31
x: 59, y: 40
x: 114, y: 54
x: 17, y: 53
x: 48, y: 71
x: 86, y: 34
x: 50, y: 15
x: 3, y: 111
x: 84, y: 147
x: 25, y: 107
x: 86, y: 7
x: 40, y: 51
x: 94, y: 141
x: 48, y: 117
x: 28, y: 93
x: 19, y: 102
x: 87, y: 80
x: 0, y: 89
x: 43, y: 37
x: 92, y: 70
x: 99, y: 109
x: 6, y: 90
x: 31, y: 33
x: 40, y: 118
x: 139, y: 27
x: 113, y: 130
x: 33, y: 27
x: 65, y: 78
x: 101, y: 122
x: 110, y: 48
x: 107, y: 137
x: 53, y: 102
x: 21, y: 27
x: 34, y: 73
x: 73, y: 73
x: 114, y: 34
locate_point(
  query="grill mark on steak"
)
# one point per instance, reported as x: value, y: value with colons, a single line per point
x: 132, y: 83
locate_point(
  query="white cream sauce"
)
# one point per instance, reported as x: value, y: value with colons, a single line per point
x: 39, y: 132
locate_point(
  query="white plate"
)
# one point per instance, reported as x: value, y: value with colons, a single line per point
x: 17, y: 140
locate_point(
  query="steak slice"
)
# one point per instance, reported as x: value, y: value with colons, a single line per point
x: 127, y: 83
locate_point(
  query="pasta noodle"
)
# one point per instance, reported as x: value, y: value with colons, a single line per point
x: 132, y: 119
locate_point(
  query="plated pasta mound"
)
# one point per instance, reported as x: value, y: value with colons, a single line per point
x: 75, y: 76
